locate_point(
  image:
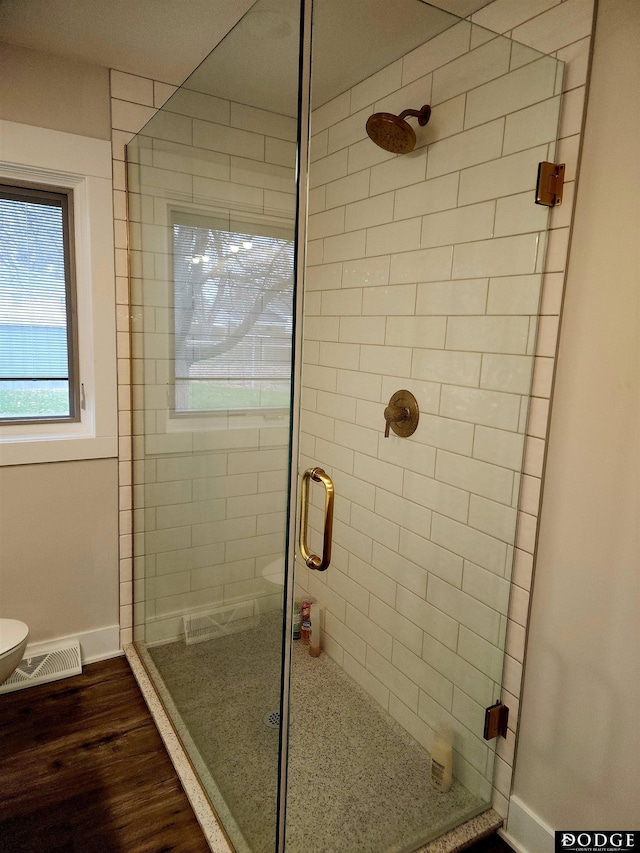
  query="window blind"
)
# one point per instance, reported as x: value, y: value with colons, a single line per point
x: 34, y: 305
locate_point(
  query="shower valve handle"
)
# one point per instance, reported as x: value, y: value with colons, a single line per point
x: 394, y: 415
x: 401, y: 415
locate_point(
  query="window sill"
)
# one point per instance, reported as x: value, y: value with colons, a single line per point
x: 61, y: 449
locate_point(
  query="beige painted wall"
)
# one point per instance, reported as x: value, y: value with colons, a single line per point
x: 50, y: 91
x: 59, y: 547
x: 58, y: 522
x: 577, y: 759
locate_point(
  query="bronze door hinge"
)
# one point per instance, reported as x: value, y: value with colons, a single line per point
x: 496, y: 719
x: 550, y: 184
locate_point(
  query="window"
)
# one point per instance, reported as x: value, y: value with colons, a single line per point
x: 84, y: 425
x: 38, y: 352
x: 233, y: 299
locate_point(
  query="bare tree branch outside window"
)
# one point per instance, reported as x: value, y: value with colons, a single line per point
x: 233, y: 318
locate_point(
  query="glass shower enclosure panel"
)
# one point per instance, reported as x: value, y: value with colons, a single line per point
x: 423, y: 275
x: 212, y: 208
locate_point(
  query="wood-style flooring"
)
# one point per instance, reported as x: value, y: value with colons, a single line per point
x: 491, y: 844
x: 83, y: 770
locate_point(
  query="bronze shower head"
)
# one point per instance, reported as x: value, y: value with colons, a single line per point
x: 393, y: 133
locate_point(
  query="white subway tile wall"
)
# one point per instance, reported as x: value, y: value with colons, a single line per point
x: 423, y: 544
x: 430, y: 266
x: 210, y: 503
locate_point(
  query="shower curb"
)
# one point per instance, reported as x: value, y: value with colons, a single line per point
x: 466, y: 834
x: 205, y: 816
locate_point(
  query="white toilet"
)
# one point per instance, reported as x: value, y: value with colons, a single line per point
x: 13, y: 642
x: 273, y: 574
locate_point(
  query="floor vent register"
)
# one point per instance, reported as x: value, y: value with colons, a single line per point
x: 44, y: 667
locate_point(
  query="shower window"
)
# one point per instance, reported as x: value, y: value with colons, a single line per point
x: 233, y: 290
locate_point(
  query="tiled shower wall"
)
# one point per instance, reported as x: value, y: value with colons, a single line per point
x: 562, y: 29
x: 209, y: 493
x: 418, y: 278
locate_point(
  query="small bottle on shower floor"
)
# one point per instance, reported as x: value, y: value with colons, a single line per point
x: 296, y: 620
x: 314, y: 639
x: 442, y: 759
x: 305, y: 621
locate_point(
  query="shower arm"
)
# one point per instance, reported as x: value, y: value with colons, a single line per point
x: 422, y: 115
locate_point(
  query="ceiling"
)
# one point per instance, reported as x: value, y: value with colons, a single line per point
x: 167, y: 39
x: 162, y: 39
x: 257, y: 63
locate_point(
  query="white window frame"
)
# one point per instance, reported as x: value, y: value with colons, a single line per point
x: 83, y: 164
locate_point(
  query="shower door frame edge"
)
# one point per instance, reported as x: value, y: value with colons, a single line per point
x: 304, y: 115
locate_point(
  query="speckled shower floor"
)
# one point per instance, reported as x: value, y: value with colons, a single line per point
x: 358, y: 783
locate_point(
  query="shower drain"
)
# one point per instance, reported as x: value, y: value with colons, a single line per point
x: 272, y: 720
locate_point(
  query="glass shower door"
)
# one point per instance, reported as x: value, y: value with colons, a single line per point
x: 212, y: 209
x: 423, y: 275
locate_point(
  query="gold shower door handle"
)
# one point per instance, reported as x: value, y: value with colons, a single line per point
x: 320, y: 564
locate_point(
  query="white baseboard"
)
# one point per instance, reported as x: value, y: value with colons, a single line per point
x: 526, y: 832
x: 95, y: 645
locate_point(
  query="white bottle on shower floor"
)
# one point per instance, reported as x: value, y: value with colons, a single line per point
x: 442, y: 759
